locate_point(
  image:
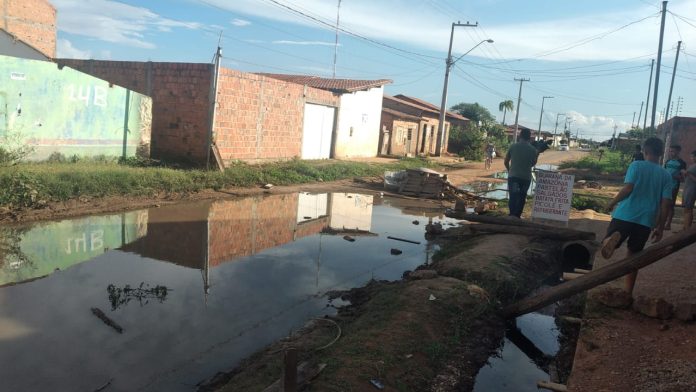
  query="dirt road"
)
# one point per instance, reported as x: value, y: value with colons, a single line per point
x: 475, y: 171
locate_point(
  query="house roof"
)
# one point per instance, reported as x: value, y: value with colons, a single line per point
x: 400, y: 115
x: 430, y: 105
x: 411, y: 104
x: 334, y: 85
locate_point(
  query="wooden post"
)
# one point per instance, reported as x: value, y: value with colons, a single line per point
x: 551, y: 386
x: 289, y: 370
x: 604, y: 274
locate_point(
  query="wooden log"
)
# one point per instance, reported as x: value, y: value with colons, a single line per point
x: 550, y: 233
x: 508, y: 221
x: 571, y: 319
x: 403, y: 240
x: 571, y: 275
x: 103, y: 317
x: 602, y: 275
x: 581, y: 271
x: 551, y: 386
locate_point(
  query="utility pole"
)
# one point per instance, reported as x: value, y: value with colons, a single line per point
x: 556, y: 128
x: 613, y: 139
x: 659, y: 62
x: 519, y: 98
x: 671, y: 86
x: 338, y: 15
x: 639, y: 113
x: 633, y: 119
x: 443, y: 107
x: 540, y: 115
x: 647, y: 101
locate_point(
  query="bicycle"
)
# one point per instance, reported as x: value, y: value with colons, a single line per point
x: 489, y: 162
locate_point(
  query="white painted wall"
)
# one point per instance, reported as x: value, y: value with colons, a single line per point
x: 351, y: 211
x: 10, y: 47
x: 361, y: 111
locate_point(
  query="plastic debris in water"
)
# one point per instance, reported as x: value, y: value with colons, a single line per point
x: 432, y: 298
x: 377, y: 384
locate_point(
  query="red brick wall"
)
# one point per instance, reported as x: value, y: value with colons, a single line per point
x: 683, y: 134
x: 180, y: 101
x: 244, y: 227
x: 259, y: 118
x: 32, y: 21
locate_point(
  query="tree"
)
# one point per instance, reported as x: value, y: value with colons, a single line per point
x: 478, y: 115
x: 505, y: 106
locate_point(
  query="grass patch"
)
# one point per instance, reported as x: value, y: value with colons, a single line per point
x: 35, y: 184
x: 591, y: 202
x: 611, y: 162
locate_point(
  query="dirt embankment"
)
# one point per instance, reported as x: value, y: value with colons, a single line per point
x: 432, y: 331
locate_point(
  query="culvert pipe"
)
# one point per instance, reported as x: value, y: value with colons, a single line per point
x: 578, y: 254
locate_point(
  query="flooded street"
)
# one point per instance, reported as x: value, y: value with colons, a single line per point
x: 196, y: 287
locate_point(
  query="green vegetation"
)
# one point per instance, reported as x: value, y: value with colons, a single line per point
x: 590, y: 202
x: 35, y: 184
x: 600, y: 162
x: 470, y: 143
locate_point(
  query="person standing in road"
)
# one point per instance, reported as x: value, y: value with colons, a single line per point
x: 643, y: 205
x: 674, y: 166
x: 520, y: 159
x: 638, y: 154
x: 689, y: 196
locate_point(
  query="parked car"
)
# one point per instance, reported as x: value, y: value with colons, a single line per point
x: 563, y: 147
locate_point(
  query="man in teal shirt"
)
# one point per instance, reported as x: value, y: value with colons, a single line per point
x: 643, y: 205
x: 520, y: 159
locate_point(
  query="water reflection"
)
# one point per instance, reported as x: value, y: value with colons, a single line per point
x: 32, y: 253
x: 238, y: 275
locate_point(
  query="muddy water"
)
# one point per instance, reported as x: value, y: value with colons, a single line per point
x: 496, y: 190
x: 196, y: 287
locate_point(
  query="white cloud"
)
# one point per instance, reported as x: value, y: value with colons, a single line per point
x: 512, y: 39
x: 66, y: 49
x: 317, y: 43
x: 240, y: 22
x: 595, y: 126
x: 114, y: 22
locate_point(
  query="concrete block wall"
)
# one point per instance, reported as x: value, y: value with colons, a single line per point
x: 32, y: 21
x: 180, y: 101
x: 259, y: 118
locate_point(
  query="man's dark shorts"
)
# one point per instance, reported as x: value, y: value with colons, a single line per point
x: 637, y: 235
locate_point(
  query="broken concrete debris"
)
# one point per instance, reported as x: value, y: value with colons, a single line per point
x: 614, y: 297
x: 427, y: 183
x: 396, y: 252
x: 422, y: 274
x: 267, y: 186
x: 653, y: 307
x: 685, y: 311
x: 348, y: 238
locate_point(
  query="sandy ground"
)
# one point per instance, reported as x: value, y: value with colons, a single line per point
x: 622, y: 350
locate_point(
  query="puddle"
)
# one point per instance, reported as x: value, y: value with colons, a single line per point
x: 196, y: 287
x: 498, y: 190
x: 530, y: 345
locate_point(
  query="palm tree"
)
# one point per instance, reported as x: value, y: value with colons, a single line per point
x: 505, y: 106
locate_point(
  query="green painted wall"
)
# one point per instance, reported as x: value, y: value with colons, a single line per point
x: 41, y: 249
x: 67, y: 111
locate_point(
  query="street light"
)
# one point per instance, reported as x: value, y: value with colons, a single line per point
x: 448, y: 64
x: 541, y: 114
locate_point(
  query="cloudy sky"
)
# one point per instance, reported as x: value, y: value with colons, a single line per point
x: 592, y: 56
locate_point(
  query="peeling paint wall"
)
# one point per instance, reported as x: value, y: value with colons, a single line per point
x: 67, y: 111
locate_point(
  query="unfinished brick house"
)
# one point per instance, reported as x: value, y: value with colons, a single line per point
x: 357, y: 124
x: 28, y: 29
x: 409, y: 126
x: 256, y: 117
x: 683, y: 133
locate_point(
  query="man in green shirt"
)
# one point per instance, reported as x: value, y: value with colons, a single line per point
x: 520, y: 159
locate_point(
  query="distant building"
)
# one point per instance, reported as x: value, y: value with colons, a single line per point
x: 409, y: 126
